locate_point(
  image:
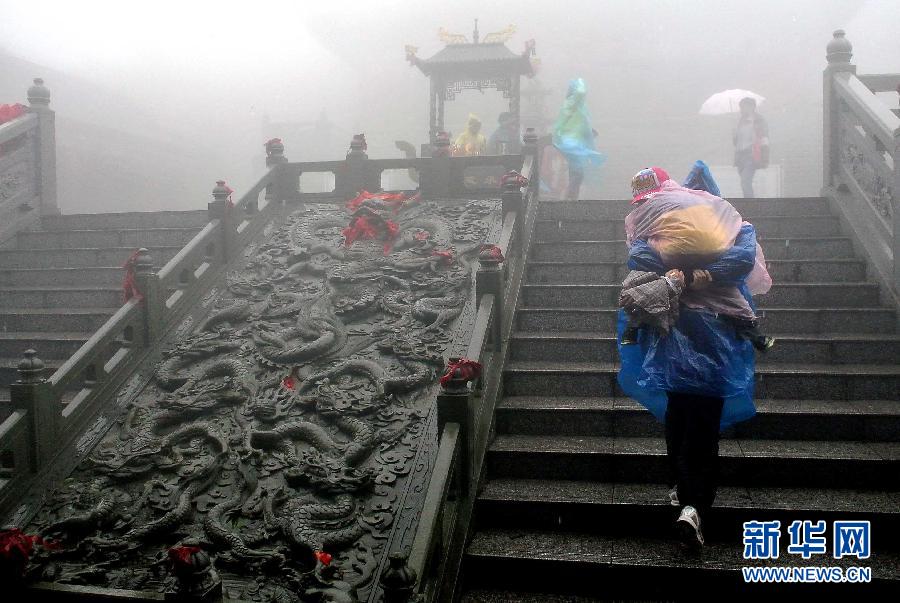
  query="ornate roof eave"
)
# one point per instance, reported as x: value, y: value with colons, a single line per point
x: 515, y: 64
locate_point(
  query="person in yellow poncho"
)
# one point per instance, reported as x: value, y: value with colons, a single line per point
x: 472, y: 141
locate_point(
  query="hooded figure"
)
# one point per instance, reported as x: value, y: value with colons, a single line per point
x: 573, y: 136
x: 472, y: 141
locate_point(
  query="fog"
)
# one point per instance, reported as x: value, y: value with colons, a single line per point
x: 157, y: 100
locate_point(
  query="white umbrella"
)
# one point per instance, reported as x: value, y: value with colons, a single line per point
x: 728, y: 101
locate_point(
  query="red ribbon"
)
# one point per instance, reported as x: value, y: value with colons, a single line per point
x: 446, y: 256
x: 422, y: 235
x: 462, y: 369
x: 181, y: 555
x: 491, y: 252
x: 16, y: 547
x: 323, y: 557
x: 373, y: 227
x: 11, y: 112
x: 514, y: 178
x: 129, y: 283
x: 393, y: 200
x: 289, y: 382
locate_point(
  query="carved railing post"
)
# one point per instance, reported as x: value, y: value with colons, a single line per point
x: 33, y: 393
x: 358, y: 174
x: 436, y: 176
x: 895, y: 209
x: 221, y: 209
x: 489, y: 279
x: 530, y: 148
x: 148, y: 285
x: 838, y: 54
x: 512, y: 199
x: 453, y: 407
x: 39, y: 104
x: 197, y: 580
x: 281, y: 188
x: 398, y: 581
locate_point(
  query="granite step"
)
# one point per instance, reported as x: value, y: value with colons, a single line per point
x: 776, y: 320
x: 796, y: 248
x: 593, y: 209
x: 644, y: 509
x: 100, y: 275
x: 135, y: 219
x: 610, y: 228
x: 832, y: 348
x: 54, y: 319
x: 781, y: 295
x: 570, y: 564
x: 860, y: 420
x: 71, y: 296
x: 777, y: 381
x: 81, y: 257
x: 742, y: 462
x: 782, y: 271
x: 48, y: 345
x: 134, y: 237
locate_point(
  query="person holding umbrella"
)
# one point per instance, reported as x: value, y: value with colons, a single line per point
x: 751, y: 144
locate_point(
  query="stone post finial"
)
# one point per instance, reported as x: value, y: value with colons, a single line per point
x: 31, y: 368
x: 221, y: 191
x: 839, y: 49
x: 274, y: 152
x: 39, y: 94
x: 530, y: 137
x: 398, y: 580
x: 358, y: 147
x: 144, y: 261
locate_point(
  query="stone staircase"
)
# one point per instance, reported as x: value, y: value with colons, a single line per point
x: 61, y: 282
x: 575, y: 505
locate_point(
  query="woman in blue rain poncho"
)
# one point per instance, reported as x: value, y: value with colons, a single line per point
x: 573, y: 136
x: 699, y: 378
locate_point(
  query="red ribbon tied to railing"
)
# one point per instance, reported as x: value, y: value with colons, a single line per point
x: 513, y: 179
x: 183, y: 555
x: 446, y: 257
x: 323, y: 557
x: 491, y: 253
x: 16, y: 548
x: 129, y: 283
x: 11, y: 112
x: 461, y: 370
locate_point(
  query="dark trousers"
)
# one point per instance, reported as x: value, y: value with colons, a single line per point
x: 692, y: 447
x: 576, y: 177
x: 746, y: 169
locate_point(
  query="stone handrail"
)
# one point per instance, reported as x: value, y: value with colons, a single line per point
x: 28, y: 165
x: 465, y: 412
x: 861, y: 153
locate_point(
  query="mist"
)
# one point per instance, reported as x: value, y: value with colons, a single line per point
x: 156, y: 101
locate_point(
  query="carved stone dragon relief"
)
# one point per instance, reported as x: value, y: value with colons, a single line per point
x: 283, y: 424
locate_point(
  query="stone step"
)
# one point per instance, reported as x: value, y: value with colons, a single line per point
x: 100, y: 275
x: 797, y: 248
x: 782, y: 271
x: 775, y: 320
x: 54, y: 319
x: 837, y: 348
x: 860, y: 420
x: 644, y: 509
x: 136, y: 219
x: 82, y: 257
x: 770, y: 226
x: 48, y: 345
x: 134, y: 237
x: 781, y: 295
x: 742, y: 462
x: 574, y: 565
x: 748, y: 208
x: 72, y: 296
x: 778, y: 381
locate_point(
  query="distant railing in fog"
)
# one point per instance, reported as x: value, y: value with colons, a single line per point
x: 861, y: 153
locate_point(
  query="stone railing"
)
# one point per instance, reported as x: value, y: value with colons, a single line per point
x: 465, y: 407
x: 28, y: 164
x: 861, y: 154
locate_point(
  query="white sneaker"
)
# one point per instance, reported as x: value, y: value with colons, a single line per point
x: 688, y: 527
x: 673, y: 497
